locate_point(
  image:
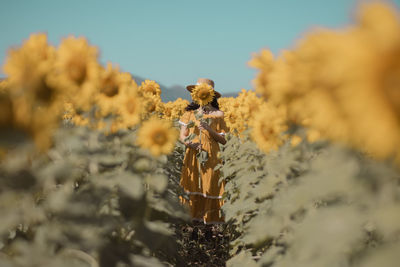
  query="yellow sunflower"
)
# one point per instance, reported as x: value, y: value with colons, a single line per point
x: 151, y: 104
x: 129, y: 111
x: 295, y: 140
x: 158, y: 136
x: 29, y: 70
x: 6, y: 111
x: 69, y: 111
x: 79, y: 120
x: 203, y: 94
x: 166, y: 110
x: 264, y: 61
x: 173, y: 109
x: 150, y: 87
x: 78, y: 70
x: 34, y: 122
x: 268, y: 128
x: 3, y: 85
x: 179, y: 106
x: 114, y: 86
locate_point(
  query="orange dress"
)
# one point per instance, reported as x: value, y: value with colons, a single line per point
x: 205, y: 193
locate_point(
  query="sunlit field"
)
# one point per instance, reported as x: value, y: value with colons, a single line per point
x: 91, y: 160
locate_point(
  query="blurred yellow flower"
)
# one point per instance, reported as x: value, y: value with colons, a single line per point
x: 381, y: 22
x: 150, y: 87
x: 6, y: 111
x: 114, y: 88
x: 4, y: 86
x: 295, y: 140
x: 69, y: 111
x: 203, y: 94
x: 342, y: 85
x: 78, y: 70
x: 268, y: 127
x: 173, y: 110
x: 313, y: 135
x: 264, y: 62
x: 32, y: 88
x: 151, y: 103
x: 79, y: 120
x: 129, y: 111
x: 239, y: 111
x: 29, y: 70
x: 158, y: 136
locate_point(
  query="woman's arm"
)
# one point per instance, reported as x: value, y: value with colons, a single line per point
x: 183, y: 134
x: 216, y: 136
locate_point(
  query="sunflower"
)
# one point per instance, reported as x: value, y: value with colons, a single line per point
x: 78, y: 70
x: 29, y: 70
x: 3, y: 85
x: 69, y: 111
x: 6, y: 111
x: 158, y: 136
x: 129, y: 111
x: 114, y: 86
x: 33, y: 91
x: 265, y: 63
x: 151, y: 104
x: 71, y: 115
x: 33, y: 123
x: 166, y: 110
x: 150, y: 87
x: 268, y: 128
x: 295, y: 140
x: 203, y: 94
x: 179, y: 106
x: 173, y: 110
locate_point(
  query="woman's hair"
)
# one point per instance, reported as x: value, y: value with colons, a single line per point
x: 194, y: 105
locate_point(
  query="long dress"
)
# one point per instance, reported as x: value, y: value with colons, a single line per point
x: 205, y: 195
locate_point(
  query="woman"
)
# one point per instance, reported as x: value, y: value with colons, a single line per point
x: 200, y: 181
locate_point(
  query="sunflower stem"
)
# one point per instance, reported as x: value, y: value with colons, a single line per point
x: 198, y: 162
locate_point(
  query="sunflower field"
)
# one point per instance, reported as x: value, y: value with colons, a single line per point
x: 90, y: 160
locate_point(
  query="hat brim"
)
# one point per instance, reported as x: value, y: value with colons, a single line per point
x: 191, y: 87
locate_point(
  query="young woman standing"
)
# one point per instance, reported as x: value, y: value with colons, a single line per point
x: 201, y: 181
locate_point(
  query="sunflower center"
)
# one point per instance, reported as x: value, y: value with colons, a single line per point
x: 203, y: 94
x: 159, y: 137
x: 43, y: 92
x: 131, y: 106
x: 266, y: 131
x: 150, y: 89
x: 252, y: 108
x: 76, y: 70
x: 6, y: 113
x: 151, y: 106
x: 110, y: 87
x: 391, y: 79
x: 168, y: 112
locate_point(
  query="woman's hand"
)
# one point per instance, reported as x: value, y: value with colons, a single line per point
x: 204, y: 126
x: 196, y: 146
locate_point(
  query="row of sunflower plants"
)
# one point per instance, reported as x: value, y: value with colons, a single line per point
x: 312, y: 177
x: 84, y: 174
x: 341, y: 84
x: 314, y: 204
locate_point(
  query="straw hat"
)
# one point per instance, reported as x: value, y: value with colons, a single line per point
x: 203, y: 80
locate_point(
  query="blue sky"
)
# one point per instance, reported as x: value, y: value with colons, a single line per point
x: 175, y: 42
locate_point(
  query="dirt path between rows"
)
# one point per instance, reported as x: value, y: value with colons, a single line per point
x: 203, y: 245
